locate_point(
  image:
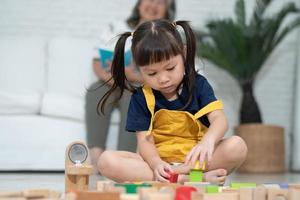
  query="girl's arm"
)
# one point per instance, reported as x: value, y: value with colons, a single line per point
x: 218, y: 125
x: 205, y: 148
x: 150, y: 154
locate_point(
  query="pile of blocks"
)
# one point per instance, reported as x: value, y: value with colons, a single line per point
x: 108, y: 190
x: 196, y: 189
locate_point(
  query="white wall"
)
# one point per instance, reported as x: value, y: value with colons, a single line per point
x: 274, y: 88
x: 296, y: 138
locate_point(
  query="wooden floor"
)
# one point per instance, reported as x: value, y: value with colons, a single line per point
x: 55, y: 181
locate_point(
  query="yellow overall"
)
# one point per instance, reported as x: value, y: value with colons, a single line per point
x: 175, y: 132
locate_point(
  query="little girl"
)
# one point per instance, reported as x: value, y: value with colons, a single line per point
x: 175, y: 115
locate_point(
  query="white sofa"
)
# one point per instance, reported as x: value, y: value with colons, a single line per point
x: 42, y: 87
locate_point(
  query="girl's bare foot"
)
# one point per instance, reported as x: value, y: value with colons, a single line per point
x: 95, y: 153
x: 217, y: 176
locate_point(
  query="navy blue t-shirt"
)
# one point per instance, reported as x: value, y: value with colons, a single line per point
x: 139, y: 117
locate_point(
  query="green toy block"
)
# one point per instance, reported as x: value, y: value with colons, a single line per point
x: 196, y: 176
x: 131, y: 188
x: 242, y: 185
x: 212, y: 189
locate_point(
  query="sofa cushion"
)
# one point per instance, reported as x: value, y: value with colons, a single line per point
x: 69, y: 75
x: 63, y: 105
x: 37, y: 142
x: 22, y: 74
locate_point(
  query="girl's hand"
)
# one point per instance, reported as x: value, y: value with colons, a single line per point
x: 202, y: 151
x: 161, y: 172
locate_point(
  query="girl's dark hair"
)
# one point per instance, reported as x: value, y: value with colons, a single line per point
x: 153, y: 42
x: 134, y: 18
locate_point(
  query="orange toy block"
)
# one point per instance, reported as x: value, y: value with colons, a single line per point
x: 95, y: 195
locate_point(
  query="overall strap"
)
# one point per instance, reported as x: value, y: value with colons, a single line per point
x: 150, y: 99
x: 215, y: 105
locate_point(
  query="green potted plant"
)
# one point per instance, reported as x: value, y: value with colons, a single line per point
x: 241, y: 49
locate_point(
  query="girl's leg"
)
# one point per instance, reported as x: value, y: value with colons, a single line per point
x: 229, y: 154
x: 123, y: 166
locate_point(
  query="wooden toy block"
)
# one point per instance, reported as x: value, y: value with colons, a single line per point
x: 260, y: 193
x: 184, y: 192
x: 159, y: 185
x: 71, y: 196
x: 200, y: 186
x: 77, y: 167
x: 197, y: 195
x: 284, y: 185
x: 173, y: 177
x: 212, y: 189
x: 13, y: 198
x: 95, y: 195
x: 271, y: 185
x: 274, y: 194
x: 105, y: 186
x: 197, y: 166
x: 242, y: 185
x: 294, y: 185
x: 7, y: 194
x: 158, y: 196
x: 131, y: 187
x: 143, y: 191
x: 229, y: 190
x: 129, y: 197
x: 216, y: 196
x: 36, y: 193
x: 293, y: 194
x: 246, y: 194
x: 168, y: 190
x: 196, y: 175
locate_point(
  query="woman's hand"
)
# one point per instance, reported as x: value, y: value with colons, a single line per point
x: 103, y: 74
x: 202, y: 151
x: 161, y: 172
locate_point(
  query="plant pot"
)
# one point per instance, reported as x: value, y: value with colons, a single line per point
x: 265, y: 144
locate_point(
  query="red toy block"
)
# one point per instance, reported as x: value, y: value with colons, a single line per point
x: 184, y: 192
x: 173, y: 177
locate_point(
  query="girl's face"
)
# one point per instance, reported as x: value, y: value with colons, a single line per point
x: 152, y: 9
x: 164, y: 76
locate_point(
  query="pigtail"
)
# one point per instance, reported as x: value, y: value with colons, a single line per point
x: 189, y: 61
x: 118, y: 73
